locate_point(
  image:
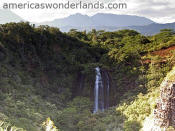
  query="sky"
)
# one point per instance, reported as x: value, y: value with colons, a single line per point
x: 161, y: 11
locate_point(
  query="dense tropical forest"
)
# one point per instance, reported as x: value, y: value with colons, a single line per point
x: 47, y: 77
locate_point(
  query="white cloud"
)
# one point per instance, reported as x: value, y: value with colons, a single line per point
x: 161, y: 11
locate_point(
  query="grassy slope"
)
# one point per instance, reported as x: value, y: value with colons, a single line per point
x: 24, y: 102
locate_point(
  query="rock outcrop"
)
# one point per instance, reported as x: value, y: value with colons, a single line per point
x: 165, y: 109
x: 164, y: 113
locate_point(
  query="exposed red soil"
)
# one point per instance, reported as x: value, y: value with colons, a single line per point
x: 163, y: 53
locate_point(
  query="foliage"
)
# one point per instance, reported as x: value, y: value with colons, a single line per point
x: 42, y: 71
x: 4, y: 126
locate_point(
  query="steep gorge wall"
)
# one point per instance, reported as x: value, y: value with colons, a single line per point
x: 165, y: 109
x: 164, y: 113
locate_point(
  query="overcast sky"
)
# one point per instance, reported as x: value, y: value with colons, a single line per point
x: 161, y: 11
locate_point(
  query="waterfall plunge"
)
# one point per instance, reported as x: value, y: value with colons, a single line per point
x: 99, y: 90
x: 107, y: 93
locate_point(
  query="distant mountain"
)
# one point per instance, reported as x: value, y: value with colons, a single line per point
x: 79, y: 21
x: 100, y: 21
x: 7, y: 16
x: 152, y: 28
x: 109, y: 22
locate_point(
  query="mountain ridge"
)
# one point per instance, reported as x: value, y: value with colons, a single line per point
x: 7, y: 16
x: 107, y: 22
x: 100, y: 19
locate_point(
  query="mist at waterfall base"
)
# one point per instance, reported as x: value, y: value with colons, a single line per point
x: 101, y: 92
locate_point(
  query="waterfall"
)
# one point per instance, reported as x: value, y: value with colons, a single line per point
x: 98, y: 92
x: 107, y: 92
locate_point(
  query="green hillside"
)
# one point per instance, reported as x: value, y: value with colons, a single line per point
x: 42, y: 71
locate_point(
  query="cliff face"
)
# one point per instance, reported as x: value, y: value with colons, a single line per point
x: 164, y: 113
x: 165, y: 109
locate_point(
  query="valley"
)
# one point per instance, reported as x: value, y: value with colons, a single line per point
x: 80, y: 81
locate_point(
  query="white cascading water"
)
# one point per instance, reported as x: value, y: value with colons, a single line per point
x: 108, y: 88
x: 98, y: 92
